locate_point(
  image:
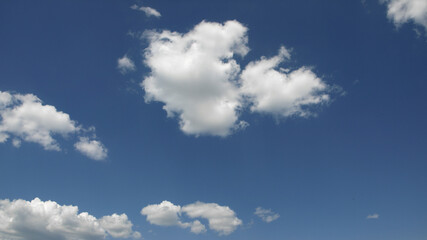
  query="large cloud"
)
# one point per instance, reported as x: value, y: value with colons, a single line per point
x: 221, y: 218
x: 39, y: 220
x: 402, y: 11
x: 197, y: 78
x: 285, y: 92
x: 25, y: 117
x: 193, y: 74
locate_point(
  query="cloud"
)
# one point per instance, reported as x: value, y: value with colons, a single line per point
x: 373, y: 216
x: 403, y: 11
x: 16, y: 143
x: 266, y: 214
x: 198, y: 80
x: 168, y: 214
x: 25, y: 118
x: 39, y: 220
x: 193, y: 75
x: 125, y: 64
x: 149, y: 12
x: 91, y: 148
x: 282, y: 93
x: 197, y: 227
x: 163, y: 214
x: 118, y: 226
x: 221, y: 218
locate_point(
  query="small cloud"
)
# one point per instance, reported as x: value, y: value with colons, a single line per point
x: 373, y: 216
x: 266, y: 214
x: 91, y: 148
x: 16, y: 143
x: 125, y: 64
x: 149, y: 12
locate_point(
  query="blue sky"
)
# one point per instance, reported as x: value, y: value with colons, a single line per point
x: 187, y: 116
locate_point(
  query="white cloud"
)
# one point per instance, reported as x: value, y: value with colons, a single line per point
x: 266, y: 214
x: 373, y: 216
x: 5, y: 99
x: 125, y: 64
x: 16, y: 143
x: 403, y: 11
x: 197, y: 227
x: 26, y: 118
x: 198, y: 80
x: 3, y: 137
x: 221, y: 218
x: 118, y: 226
x: 282, y: 93
x: 91, y: 148
x: 163, y: 214
x: 193, y: 75
x: 39, y: 220
x: 168, y: 214
x: 149, y: 12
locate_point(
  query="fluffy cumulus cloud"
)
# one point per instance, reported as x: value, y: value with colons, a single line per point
x: 168, y: 214
x: 220, y: 218
x: 402, y: 11
x: 281, y: 92
x: 39, y: 220
x: 266, y: 214
x: 197, y: 78
x: 193, y: 73
x: 149, y: 12
x: 163, y: 214
x: 119, y: 226
x: 91, y: 148
x: 25, y: 118
x: 125, y: 64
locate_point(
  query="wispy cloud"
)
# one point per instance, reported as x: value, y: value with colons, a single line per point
x: 266, y: 214
x: 373, y: 216
x: 125, y: 64
x: 149, y: 12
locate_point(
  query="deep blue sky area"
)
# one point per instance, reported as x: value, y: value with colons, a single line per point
x: 363, y: 153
